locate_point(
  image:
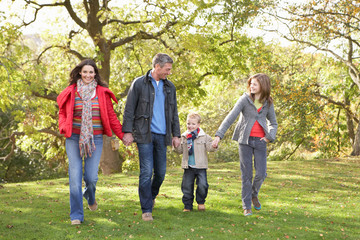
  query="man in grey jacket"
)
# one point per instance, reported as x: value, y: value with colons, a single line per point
x: 151, y: 120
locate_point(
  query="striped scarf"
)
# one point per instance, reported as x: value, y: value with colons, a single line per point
x: 190, y: 137
x: 86, y: 141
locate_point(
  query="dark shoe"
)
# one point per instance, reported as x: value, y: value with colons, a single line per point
x: 247, y: 212
x: 93, y: 207
x: 256, y: 203
x: 75, y: 222
x: 201, y: 207
x: 147, y: 216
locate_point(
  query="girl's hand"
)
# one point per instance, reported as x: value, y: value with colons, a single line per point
x: 215, y: 142
x: 265, y: 139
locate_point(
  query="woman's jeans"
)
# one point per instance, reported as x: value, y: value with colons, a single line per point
x: 91, y: 167
x: 151, y: 156
x: 250, y: 189
x: 187, y: 187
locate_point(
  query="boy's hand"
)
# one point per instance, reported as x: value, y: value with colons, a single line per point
x: 215, y: 142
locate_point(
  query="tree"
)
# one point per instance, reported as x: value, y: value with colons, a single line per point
x: 331, y: 27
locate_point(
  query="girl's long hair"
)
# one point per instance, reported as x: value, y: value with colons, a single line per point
x: 265, y: 87
x: 75, y: 73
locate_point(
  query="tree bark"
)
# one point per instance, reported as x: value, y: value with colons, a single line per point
x: 110, y: 161
x: 356, y: 145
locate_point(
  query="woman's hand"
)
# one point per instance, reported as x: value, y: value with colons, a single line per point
x: 265, y: 139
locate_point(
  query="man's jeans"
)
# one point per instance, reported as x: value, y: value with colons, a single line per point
x: 251, y: 188
x: 91, y: 167
x: 151, y: 156
x: 187, y: 187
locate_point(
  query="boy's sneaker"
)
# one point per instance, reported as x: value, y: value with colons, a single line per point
x: 186, y: 210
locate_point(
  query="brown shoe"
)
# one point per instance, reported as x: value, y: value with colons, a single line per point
x: 256, y: 203
x: 186, y: 210
x: 147, y: 216
x: 75, y: 222
x: 201, y: 207
x: 93, y: 207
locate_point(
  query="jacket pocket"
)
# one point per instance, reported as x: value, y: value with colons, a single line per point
x: 143, y: 107
x: 141, y: 125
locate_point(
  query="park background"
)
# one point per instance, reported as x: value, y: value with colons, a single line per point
x: 310, y: 50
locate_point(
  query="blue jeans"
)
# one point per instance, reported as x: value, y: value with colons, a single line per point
x: 250, y: 189
x: 187, y: 187
x: 151, y: 156
x: 91, y: 167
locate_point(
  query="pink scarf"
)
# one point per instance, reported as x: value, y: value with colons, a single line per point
x: 86, y: 141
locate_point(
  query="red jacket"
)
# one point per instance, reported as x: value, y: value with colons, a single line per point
x: 109, y: 120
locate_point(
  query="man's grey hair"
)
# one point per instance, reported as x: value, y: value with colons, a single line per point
x: 161, y: 59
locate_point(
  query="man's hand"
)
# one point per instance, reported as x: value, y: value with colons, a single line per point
x: 128, y: 139
x: 175, y: 142
x: 215, y: 142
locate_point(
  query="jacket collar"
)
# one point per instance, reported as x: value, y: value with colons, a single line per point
x: 148, y: 78
x: 251, y: 101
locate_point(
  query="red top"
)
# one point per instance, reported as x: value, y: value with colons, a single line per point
x: 109, y: 120
x: 257, y: 130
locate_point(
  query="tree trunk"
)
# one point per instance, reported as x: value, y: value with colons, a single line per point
x: 110, y: 161
x: 356, y: 145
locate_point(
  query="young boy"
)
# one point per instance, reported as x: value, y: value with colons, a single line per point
x: 194, y: 145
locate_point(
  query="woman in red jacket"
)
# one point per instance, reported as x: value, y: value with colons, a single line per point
x: 86, y: 113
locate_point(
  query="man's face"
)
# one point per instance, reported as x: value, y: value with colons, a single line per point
x: 162, y: 72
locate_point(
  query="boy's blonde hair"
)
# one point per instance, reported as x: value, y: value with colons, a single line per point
x: 194, y: 115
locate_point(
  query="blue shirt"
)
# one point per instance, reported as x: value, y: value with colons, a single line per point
x: 158, y: 121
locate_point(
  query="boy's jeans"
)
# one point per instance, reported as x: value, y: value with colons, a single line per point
x: 251, y: 188
x: 151, y: 156
x: 91, y: 167
x: 187, y: 187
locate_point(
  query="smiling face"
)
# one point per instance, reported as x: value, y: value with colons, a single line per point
x: 87, y: 74
x: 192, y: 124
x: 161, y: 72
x: 255, y: 87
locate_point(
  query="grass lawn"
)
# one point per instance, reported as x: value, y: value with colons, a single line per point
x: 300, y: 200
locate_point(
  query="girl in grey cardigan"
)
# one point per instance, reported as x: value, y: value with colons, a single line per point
x: 256, y: 127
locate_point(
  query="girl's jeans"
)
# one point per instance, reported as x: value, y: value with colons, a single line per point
x: 187, y: 187
x: 250, y: 189
x: 91, y: 167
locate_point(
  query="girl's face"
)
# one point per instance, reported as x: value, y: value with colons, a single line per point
x: 87, y: 74
x: 192, y: 124
x: 255, y: 86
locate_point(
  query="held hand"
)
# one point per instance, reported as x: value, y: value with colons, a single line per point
x: 175, y: 142
x: 128, y: 139
x: 265, y: 139
x: 215, y: 142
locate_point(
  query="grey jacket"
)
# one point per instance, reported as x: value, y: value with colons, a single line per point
x: 202, y: 144
x: 248, y: 115
x: 139, y: 110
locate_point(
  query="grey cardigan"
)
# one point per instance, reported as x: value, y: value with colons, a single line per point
x: 248, y: 115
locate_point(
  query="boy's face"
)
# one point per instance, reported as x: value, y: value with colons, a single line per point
x: 192, y: 124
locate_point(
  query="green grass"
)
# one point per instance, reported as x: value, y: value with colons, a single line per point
x: 301, y: 200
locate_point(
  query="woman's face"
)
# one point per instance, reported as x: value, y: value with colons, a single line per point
x: 255, y: 86
x: 87, y: 74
